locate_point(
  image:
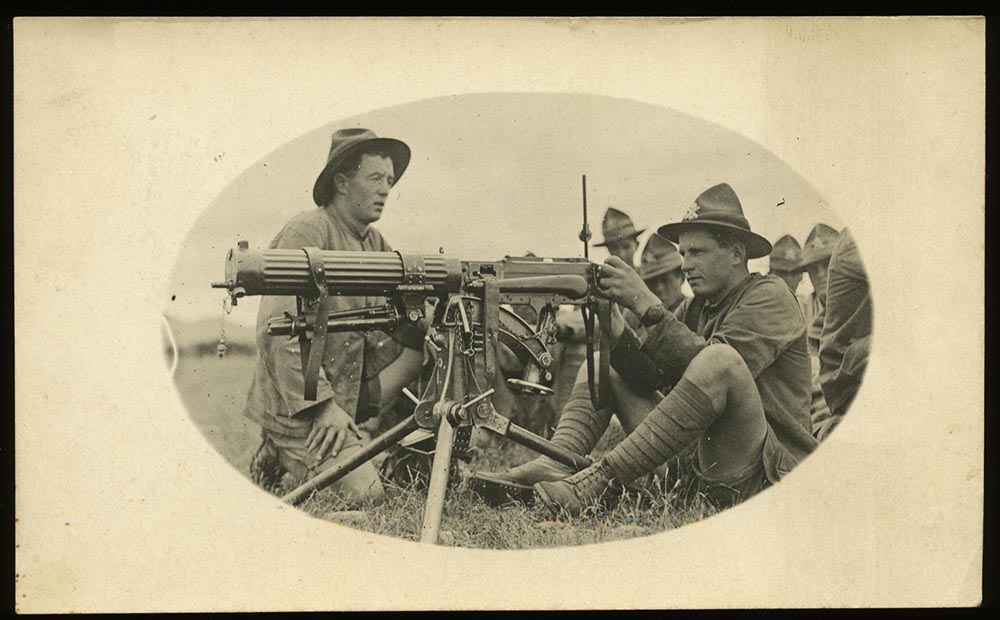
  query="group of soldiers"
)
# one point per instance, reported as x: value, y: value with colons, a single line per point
x: 721, y: 393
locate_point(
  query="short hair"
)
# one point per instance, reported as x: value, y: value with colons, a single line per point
x: 729, y: 238
x: 349, y: 167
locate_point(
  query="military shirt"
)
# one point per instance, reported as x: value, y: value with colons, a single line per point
x: 276, y: 393
x: 847, y: 327
x: 818, y: 410
x: 761, y: 320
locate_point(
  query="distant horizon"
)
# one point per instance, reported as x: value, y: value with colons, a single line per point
x: 499, y: 174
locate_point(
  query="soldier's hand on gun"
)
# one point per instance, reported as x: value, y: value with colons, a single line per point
x: 620, y: 283
x: 617, y: 324
x: 330, y: 430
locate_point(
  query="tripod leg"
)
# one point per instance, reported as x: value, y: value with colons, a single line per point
x: 438, y: 483
x: 329, y: 476
x: 543, y: 446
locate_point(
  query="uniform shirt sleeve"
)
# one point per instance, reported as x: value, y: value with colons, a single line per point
x: 764, y: 323
x: 661, y: 359
x: 281, y: 355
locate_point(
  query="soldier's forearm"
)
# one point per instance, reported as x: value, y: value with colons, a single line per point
x: 636, y: 367
x: 671, y: 346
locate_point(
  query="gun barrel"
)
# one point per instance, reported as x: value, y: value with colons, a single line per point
x: 286, y: 272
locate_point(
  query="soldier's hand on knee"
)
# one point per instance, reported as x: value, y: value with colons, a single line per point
x: 620, y: 283
x: 330, y: 430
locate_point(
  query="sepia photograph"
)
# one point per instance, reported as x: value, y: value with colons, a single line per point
x: 500, y: 196
x: 498, y: 313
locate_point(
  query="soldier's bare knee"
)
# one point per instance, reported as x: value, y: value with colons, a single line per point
x: 719, y: 360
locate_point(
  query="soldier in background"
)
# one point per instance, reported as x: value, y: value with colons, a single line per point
x: 785, y: 261
x: 660, y: 269
x: 846, y: 339
x: 620, y: 236
x: 814, y: 261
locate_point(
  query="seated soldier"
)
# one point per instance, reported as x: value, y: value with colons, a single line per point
x: 620, y: 235
x: 814, y: 260
x: 660, y: 269
x: 732, y: 361
x: 364, y: 372
x: 847, y: 330
x: 784, y: 261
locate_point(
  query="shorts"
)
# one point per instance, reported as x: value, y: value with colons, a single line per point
x: 290, y: 451
x: 726, y: 492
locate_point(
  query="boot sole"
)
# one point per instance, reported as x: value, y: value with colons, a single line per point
x: 498, y: 491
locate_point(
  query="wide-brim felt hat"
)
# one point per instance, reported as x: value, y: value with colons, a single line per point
x: 660, y: 256
x: 718, y: 207
x: 617, y: 225
x: 786, y: 254
x: 819, y: 245
x: 346, y: 142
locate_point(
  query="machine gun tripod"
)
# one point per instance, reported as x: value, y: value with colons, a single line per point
x: 468, y: 324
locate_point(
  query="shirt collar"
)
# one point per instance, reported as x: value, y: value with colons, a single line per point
x: 730, y: 294
x: 358, y: 231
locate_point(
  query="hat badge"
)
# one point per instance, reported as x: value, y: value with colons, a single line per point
x: 692, y: 212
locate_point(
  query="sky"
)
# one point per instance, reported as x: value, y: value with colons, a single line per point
x: 500, y: 174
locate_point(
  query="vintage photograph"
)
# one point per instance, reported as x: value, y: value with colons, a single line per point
x: 420, y: 313
x: 516, y: 320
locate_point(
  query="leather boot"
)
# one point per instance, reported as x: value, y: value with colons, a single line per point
x: 266, y: 469
x: 586, y: 488
x: 538, y: 469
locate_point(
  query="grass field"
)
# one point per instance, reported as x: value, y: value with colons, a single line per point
x: 214, y: 390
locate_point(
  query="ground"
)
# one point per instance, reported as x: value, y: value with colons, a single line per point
x: 214, y: 390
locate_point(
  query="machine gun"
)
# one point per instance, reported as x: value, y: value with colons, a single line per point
x: 468, y: 323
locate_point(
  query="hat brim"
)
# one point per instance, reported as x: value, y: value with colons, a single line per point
x: 613, y: 239
x: 812, y: 260
x: 757, y: 246
x: 397, y: 150
x: 649, y: 275
x: 784, y: 266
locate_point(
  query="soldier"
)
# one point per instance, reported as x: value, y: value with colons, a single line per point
x: 733, y: 362
x: 620, y: 236
x: 785, y: 261
x: 846, y: 339
x: 660, y: 269
x: 815, y: 259
x: 365, y: 372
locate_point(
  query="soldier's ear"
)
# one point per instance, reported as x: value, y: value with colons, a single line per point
x: 340, y: 182
x: 740, y: 252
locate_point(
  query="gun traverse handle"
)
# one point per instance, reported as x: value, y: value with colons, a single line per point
x: 569, y: 285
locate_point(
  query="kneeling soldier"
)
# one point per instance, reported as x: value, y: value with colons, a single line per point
x: 732, y: 361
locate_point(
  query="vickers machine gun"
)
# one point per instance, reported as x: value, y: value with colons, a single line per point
x: 468, y: 323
